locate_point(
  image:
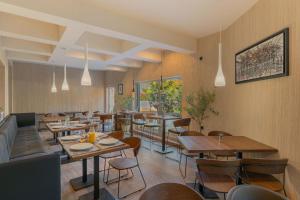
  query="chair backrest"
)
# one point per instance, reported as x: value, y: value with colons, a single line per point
x: 139, y: 116
x: 85, y: 113
x: 264, y: 166
x: 218, y: 133
x: 192, y: 133
x: 61, y: 114
x: 134, y: 143
x: 105, y: 117
x: 228, y: 167
x: 185, y: 122
x: 252, y: 192
x: 75, y: 119
x: 119, y: 135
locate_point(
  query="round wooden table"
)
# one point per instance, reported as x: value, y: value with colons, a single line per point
x: 170, y: 191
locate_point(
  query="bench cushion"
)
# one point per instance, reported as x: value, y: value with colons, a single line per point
x: 27, y: 142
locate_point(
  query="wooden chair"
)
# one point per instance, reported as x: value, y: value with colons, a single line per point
x: 139, y: 120
x: 151, y: 124
x: 170, y: 191
x: 187, y: 155
x: 85, y: 113
x: 61, y: 114
x: 106, y: 120
x: 251, y: 192
x: 217, y: 175
x: 260, y: 172
x: 128, y: 163
x: 223, y: 134
x: 180, y: 126
x: 119, y: 135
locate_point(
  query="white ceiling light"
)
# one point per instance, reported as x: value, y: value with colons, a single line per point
x: 53, y: 88
x: 220, y: 79
x: 86, y: 78
x: 65, y: 85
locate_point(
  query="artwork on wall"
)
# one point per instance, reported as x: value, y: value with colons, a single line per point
x: 120, y: 89
x: 268, y: 58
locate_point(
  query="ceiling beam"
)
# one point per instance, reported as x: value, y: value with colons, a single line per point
x: 98, y: 20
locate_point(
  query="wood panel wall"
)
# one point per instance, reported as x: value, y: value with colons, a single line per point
x: 31, y: 84
x: 267, y: 110
x: 264, y: 110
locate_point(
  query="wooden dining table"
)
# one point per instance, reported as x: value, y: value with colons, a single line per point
x: 67, y: 128
x: 215, y: 144
x: 92, y: 179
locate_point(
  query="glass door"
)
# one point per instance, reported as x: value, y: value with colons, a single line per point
x: 110, y: 99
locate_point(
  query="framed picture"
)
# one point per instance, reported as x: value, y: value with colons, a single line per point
x: 120, y: 89
x: 268, y: 58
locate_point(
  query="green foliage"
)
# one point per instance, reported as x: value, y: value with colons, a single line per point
x: 171, y: 95
x: 123, y: 102
x: 200, y: 104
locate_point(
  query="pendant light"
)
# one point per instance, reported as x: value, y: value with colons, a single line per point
x: 220, y: 79
x: 65, y: 85
x: 53, y: 88
x: 86, y: 78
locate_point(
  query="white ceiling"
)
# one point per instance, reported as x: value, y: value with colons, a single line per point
x: 120, y: 33
x: 196, y: 18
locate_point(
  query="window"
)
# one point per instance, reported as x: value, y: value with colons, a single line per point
x: 110, y: 99
x: 152, y: 97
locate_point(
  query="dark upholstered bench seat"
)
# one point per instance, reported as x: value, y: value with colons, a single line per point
x: 23, y: 141
x: 26, y: 170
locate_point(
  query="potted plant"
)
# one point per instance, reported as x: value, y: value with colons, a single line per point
x: 200, y: 105
x: 123, y: 103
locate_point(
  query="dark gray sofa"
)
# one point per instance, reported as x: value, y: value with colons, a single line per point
x: 26, y: 170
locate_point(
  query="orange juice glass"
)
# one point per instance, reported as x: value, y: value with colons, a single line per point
x: 92, y: 137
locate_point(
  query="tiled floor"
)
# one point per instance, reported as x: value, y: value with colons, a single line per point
x: 155, y: 167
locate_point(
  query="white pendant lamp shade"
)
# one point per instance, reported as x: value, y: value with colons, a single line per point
x: 86, y: 78
x: 220, y: 79
x: 65, y: 85
x: 53, y: 88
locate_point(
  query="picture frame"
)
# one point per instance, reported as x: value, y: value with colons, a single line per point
x: 120, y: 89
x: 266, y: 59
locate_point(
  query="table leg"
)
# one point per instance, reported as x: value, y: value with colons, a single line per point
x: 116, y: 122
x: 97, y: 194
x: 131, y: 125
x: 239, y: 156
x: 85, y: 180
x: 103, y: 127
x: 96, y: 177
x: 163, y: 140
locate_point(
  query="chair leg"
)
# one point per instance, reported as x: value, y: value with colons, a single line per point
x: 284, y: 192
x: 185, y: 166
x: 108, y: 173
x: 104, y: 169
x: 195, y: 183
x: 145, y: 185
x: 119, y: 180
x: 224, y: 196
